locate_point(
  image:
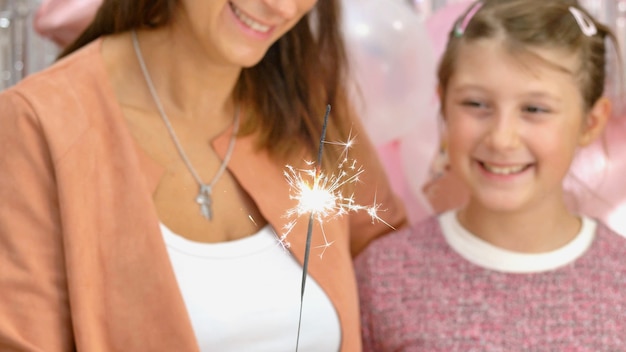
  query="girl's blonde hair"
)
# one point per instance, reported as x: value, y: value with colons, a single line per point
x: 523, y: 24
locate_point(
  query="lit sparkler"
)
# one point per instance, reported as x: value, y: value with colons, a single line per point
x: 320, y: 196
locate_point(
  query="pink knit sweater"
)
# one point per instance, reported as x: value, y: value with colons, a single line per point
x: 418, y: 294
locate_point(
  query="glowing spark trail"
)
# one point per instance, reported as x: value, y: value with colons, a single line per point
x: 320, y: 196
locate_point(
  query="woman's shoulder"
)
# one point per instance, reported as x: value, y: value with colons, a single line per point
x: 65, y: 88
x: 63, y: 100
x: 64, y: 76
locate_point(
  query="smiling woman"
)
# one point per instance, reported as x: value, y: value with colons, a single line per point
x: 143, y: 185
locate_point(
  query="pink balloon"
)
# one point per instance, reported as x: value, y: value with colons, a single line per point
x: 417, y: 148
x: 63, y: 20
x: 390, y: 155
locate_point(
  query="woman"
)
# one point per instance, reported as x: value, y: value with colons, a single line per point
x: 142, y: 176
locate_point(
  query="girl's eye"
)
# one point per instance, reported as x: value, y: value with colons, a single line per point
x: 474, y: 104
x: 535, y: 109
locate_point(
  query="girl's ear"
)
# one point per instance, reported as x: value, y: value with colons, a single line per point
x: 596, y: 120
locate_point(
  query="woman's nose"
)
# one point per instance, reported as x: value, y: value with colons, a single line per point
x: 286, y: 9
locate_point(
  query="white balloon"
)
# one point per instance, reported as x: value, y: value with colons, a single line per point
x: 393, y: 75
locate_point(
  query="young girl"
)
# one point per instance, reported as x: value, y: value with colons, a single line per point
x: 521, y: 85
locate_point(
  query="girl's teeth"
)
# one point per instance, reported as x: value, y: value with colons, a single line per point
x: 504, y: 170
x: 249, y: 21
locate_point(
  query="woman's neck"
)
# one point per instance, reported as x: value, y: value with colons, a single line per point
x: 189, y: 83
x: 540, y: 228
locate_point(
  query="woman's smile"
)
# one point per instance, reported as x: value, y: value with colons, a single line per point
x: 248, y: 21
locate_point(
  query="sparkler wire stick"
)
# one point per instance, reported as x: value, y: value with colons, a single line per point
x: 309, y: 232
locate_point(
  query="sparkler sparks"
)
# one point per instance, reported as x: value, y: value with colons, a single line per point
x: 321, y: 196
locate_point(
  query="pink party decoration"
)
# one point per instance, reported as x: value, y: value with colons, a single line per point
x: 63, y: 20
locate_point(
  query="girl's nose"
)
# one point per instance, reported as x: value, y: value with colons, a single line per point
x: 503, y: 132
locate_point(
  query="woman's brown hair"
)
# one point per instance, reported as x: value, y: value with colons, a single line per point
x: 285, y: 95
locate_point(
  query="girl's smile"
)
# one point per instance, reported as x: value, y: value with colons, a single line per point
x: 502, y: 171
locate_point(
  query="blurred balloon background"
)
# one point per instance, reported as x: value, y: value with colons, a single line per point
x: 393, y: 87
x: 22, y: 50
x: 394, y: 46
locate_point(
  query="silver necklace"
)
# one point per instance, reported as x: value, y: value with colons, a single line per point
x: 204, y: 193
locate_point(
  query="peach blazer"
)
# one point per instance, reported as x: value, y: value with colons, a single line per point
x: 83, y: 265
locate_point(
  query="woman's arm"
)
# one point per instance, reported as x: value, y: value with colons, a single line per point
x: 34, y: 305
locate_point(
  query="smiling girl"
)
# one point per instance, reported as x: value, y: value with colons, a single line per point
x: 521, y: 85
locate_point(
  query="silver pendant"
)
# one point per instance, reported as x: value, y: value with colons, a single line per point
x: 204, y: 200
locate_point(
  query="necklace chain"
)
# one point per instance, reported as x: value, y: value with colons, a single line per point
x: 204, y: 193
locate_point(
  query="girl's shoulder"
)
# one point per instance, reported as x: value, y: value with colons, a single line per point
x: 406, y: 243
x: 609, y: 244
x: 605, y: 232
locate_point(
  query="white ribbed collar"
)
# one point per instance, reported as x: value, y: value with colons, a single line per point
x: 486, y: 255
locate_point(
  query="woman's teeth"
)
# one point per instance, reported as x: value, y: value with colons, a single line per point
x: 249, y: 21
x: 504, y: 170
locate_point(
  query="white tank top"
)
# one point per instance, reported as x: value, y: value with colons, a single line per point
x: 244, y: 295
